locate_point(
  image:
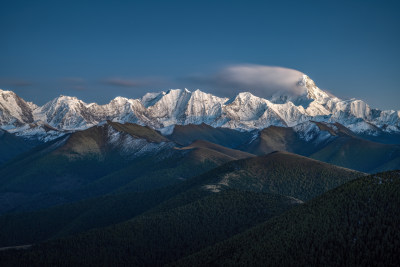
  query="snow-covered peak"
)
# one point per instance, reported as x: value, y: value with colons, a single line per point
x: 171, y: 107
x: 313, y: 92
x: 65, y: 103
x: 63, y: 112
x: 303, y: 94
x: 203, y: 108
x: 287, y: 107
x: 67, y: 99
x: 149, y: 99
x: 6, y: 91
x: 14, y: 111
x: 199, y: 95
x: 120, y: 100
x: 247, y: 98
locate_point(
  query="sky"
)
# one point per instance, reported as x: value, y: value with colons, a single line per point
x: 97, y: 50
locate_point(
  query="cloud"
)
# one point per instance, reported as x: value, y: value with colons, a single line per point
x: 15, y: 82
x: 122, y: 82
x: 140, y: 82
x: 73, y: 80
x: 260, y: 80
x: 75, y: 83
x: 79, y: 87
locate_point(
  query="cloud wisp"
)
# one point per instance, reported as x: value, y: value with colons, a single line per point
x: 13, y: 82
x: 122, y: 82
x: 260, y: 80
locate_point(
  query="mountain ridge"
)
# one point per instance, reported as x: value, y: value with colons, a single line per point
x: 162, y: 111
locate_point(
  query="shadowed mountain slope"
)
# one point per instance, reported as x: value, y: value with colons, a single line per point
x: 52, y: 172
x: 12, y: 146
x: 331, y: 143
x: 203, y: 210
x: 103, y: 159
x: 186, y: 134
x: 280, y: 173
x: 356, y: 224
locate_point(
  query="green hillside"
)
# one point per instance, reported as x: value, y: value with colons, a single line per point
x: 357, y: 224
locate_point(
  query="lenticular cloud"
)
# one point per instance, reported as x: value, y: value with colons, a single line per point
x: 260, y: 80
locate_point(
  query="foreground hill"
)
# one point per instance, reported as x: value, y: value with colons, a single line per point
x: 280, y: 173
x: 192, y: 216
x: 356, y: 224
x: 283, y: 170
x: 160, y: 237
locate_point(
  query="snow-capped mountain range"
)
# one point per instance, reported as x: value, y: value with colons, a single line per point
x: 163, y: 110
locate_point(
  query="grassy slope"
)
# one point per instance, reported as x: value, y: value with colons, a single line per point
x: 276, y: 138
x: 343, y: 149
x: 236, y: 154
x: 186, y: 134
x: 355, y: 224
x: 360, y: 154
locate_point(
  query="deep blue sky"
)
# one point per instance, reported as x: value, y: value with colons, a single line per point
x: 97, y: 50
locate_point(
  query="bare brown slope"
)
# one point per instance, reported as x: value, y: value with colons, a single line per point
x: 235, y: 154
x: 95, y: 139
x: 186, y: 134
x: 275, y: 138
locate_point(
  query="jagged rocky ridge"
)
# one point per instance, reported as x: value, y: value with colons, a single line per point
x: 164, y: 110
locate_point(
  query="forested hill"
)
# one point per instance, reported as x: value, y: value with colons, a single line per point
x: 357, y: 224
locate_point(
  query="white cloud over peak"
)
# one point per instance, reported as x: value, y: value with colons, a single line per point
x: 261, y: 80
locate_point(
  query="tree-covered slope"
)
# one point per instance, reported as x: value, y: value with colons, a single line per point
x: 133, y: 189
x: 357, y: 224
x: 157, y: 238
x: 181, y: 220
x: 280, y: 173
